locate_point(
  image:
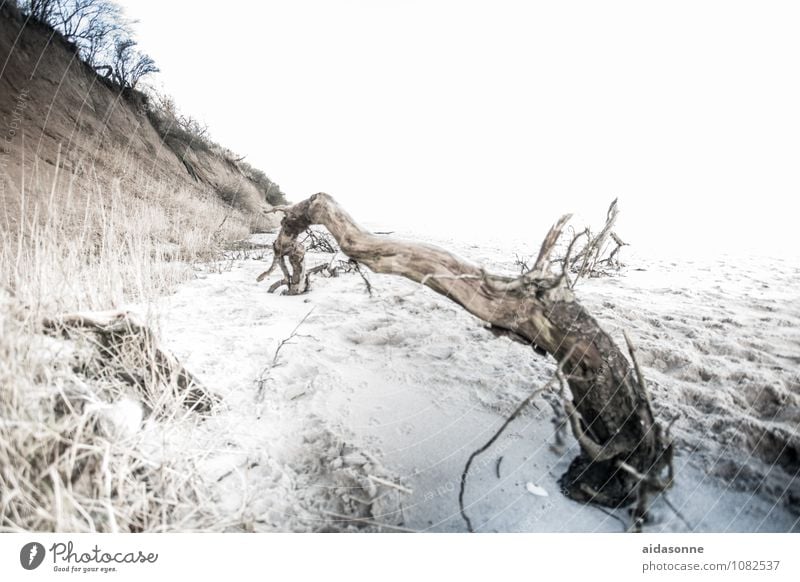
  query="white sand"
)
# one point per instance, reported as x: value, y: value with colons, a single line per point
x: 403, y: 386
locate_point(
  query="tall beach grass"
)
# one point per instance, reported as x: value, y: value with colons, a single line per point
x: 80, y: 448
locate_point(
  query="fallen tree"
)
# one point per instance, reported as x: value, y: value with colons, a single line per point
x: 623, y: 450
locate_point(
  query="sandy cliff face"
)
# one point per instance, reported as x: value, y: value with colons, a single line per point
x: 55, y: 110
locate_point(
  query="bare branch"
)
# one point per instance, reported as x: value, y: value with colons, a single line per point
x: 543, y: 260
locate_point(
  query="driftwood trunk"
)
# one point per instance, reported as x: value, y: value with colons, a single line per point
x: 621, y: 444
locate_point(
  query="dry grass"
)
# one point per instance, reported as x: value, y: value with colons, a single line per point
x: 81, y: 447
x: 102, y: 247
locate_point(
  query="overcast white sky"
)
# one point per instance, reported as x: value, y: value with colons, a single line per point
x: 511, y: 113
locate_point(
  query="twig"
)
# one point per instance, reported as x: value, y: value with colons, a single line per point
x: 676, y: 512
x: 593, y: 450
x: 390, y: 484
x: 262, y: 379
x: 320, y: 242
x: 341, y: 517
x: 565, y: 264
x: 609, y: 513
x: 496, y: 435
x: 592, y: 251
x: 522, y: 263
x: 637, y: 368
x: 357, y: 267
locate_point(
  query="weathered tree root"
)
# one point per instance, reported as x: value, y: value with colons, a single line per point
x: 120, y: 331
x: 538, y: 307
x: 332, y: 270
x: 593, y: 259
x: 298, y: 281
x: 649, y: 482
x: 320, y: 242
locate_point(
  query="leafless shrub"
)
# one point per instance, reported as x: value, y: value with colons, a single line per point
x: 272, y: 191
x: 181, y: 131
x: 164, y: 111
x: 129, y: 65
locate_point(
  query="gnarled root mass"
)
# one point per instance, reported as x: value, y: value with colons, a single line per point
x: 622, y: 447
x: 129, y: 348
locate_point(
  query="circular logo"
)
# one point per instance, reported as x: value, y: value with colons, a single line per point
x: 31, y: 555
